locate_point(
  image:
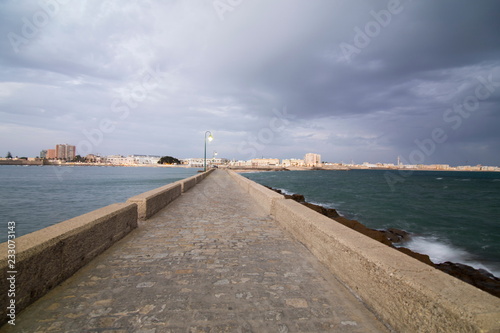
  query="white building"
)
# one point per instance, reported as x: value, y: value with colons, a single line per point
x: 312, y: 160
x: 259, y: 162
x: 145, y: 159
x: 292, y: 162
x: 240, y: 163
x: 133, y: 159
x: 199, y: 162
x: 117, y: 159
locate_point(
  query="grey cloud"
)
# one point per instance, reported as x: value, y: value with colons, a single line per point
x: 228, y: 76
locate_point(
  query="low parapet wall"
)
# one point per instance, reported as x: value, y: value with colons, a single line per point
x: 405, y: 293
x: 190, y: 182
x: 149, y: 203
x: 264, y: 197
x: 204, y: 175
x: 46, y: 257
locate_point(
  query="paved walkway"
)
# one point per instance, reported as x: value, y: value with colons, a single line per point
x: 212, y: 261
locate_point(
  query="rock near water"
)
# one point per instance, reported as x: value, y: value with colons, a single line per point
x: 476, y: 277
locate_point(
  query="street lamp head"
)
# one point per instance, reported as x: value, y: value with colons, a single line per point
x: 210, y: 137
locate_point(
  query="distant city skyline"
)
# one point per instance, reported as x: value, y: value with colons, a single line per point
x: 366, y: 80
x: 67, y: 152
x: 311, y: 161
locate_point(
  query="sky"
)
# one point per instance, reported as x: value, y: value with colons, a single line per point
x: 362, y: 81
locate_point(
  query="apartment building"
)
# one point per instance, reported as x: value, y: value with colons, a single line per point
x: 312, y: 160
x: 65, y: 152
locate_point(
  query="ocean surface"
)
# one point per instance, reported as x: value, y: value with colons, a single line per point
x: 36, y: 197
x: 454, y: 216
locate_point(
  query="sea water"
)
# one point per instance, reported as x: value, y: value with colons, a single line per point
x: 453, y: 216
x: 35, y: 197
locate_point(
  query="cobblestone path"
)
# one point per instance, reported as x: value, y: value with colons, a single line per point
x: 212, y: 261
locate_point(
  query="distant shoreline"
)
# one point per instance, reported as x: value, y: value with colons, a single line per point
x: 21, y: 162
x: 39, y: 162
x: 261, y: 169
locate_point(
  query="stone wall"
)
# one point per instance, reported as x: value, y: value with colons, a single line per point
x: 149, y: 203
x: 261, y: 194
x: 5, y: 161
x: 47, y: 257
x: 405, y: 293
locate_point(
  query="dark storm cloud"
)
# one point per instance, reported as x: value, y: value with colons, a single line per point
x: 230, y: 71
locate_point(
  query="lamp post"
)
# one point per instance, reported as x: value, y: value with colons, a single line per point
x: 210, y: 138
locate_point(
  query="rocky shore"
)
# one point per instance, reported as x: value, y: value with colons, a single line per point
x: 476, y: 277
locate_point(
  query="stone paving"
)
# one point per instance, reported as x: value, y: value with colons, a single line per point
x: 211, y: 261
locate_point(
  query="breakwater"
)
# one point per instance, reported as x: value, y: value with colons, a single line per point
x: 453, y: 216
x: 392, y: 237
x: 214, y: 262
x: 211, y: 261
x: 407, y: 294
x: 33, y: 264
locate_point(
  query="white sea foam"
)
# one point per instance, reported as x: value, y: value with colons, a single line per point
x: 323, y: 204
x: 284, y: 191
x: 440, y: 251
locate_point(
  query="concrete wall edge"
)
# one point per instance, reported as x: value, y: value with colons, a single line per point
x: 455, y: 306
x: 64, y: 239
x: 49, y: 256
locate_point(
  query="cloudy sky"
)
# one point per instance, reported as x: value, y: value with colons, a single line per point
x: 351, y: 80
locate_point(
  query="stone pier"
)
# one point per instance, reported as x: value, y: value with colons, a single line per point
x: 213, y: 260
x: 225, y: 254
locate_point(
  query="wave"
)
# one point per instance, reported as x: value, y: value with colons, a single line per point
x: 332, y: 205
x: 284, y: 191
x: 440, y: 251
x: 324, y: 204
x: 439, y: 178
